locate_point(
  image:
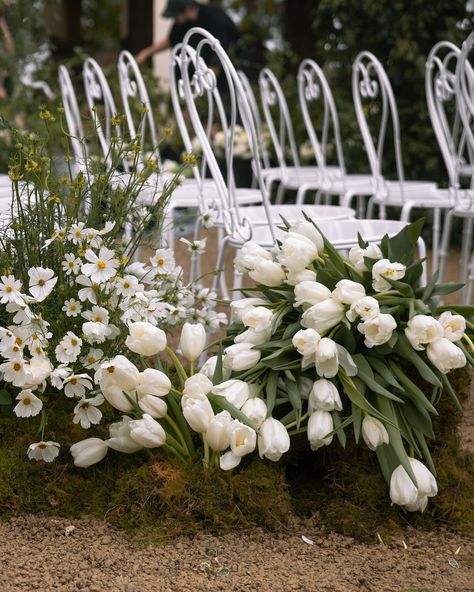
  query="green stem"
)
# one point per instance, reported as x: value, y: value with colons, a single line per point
x: 177, y: 430
x: 179, y: 367
x: 174, y: 405
x: 206, y: 452
x: 191, y: 368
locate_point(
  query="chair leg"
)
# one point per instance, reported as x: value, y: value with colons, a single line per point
x: 444, y: 250
x: 280, y: 194
x: 422, y: 255
x: 382, y: 212
x: 470, y: 282
x: 301, y: 194
x: 195, y: 270
x: 345, y: 200
x: 466, y: 246
x: 436, y: 236
x: 405, y: 213
x: 219, y: 264
x: 370, y: 207
x: 360, y: 206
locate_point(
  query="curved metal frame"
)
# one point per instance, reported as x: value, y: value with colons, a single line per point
x: 73, y: 116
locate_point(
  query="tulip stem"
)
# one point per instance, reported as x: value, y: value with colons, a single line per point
x: 182, y: 423
x: 177, y: 431
x: 205, y: 460
x: 179, y: 367
x: 293, y: 423
x: 191, y: 368
x: 469, y: 341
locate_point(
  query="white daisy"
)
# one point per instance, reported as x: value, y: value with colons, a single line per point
x: 59, y: 374
x: 42, y: 281
x: 46, y: 451
x: 71, y: 264
x: 76, y: 385
x: 76, y: 233
x: 14, y: 371
x: 72, y: 307
x: 92, y: 359
x: 10, y: 289
x: 198, y: 246
x: 90, y: 291
x: 86, y: 412
x: 68, y: 348
x: 163, y: 260
x: 209, y: 219
x: 28, y: 404
x: 97, y: 314
x: 21, y: 311
x: 109, y: 226
x: 101, y: 267
x: 128, y: 285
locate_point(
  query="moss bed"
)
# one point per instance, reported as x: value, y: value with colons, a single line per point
x: 157, y: 499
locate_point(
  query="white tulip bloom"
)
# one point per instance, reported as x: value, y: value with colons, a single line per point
x: 258, y: 318
x: 454, y: 326
x: 101, y: 267
x: 235, y: 391
x: 422, y: 330
x: 238, y: 307
x: 145, y: 339
x: 154, y: 406
x: 324, y: 396
x: 229, y: 461
x: 377, y: 330
x: 310, y: 293
x: 404, y: 492
x: 253, y: 337
x: 46, y: 451
x: 445, y: 355
x: 198, y: 384
x: 273, y: 439
x: 365, y: 308
x: 147, y: 432
x: 121, y: 372
x: 386, y: 269
x: 296, y: 251
x: 88, y: 452
x: 327, y: 358
x: 256, y: 410
x: 241, y: 356
x: 243, y: 438
x: 356, y: 256
x: 42, y: 282
x: 293, y: 277
x: 153, y: 382
x: 120, y: 439
x: 269, y: 273
x: 193, y: 341
x: 374, y: 432
x: 95, y: 331
x: 218, y: 432
x: 197, y: 411
x: 310, y: 231
x: 323, y: 316
x: 28, y: 404
x: 249, y: 255
x: 348, y: 292
x: 320, y: 424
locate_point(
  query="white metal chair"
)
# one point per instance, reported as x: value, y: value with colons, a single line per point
x: 377, y: 116
x: 464, y: 198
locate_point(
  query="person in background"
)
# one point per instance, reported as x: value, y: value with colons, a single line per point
x: 188, y: 14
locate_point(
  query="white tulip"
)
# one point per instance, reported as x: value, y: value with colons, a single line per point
x: 345, y: 361
x: 306, y: 341
x: 348, y: 292
x: 310, y: 231
x: 198, y: 384
x: 294, y: 278
x: 218, y: 432
x: 256, y: 410
x: 116, y: 397
x: 253, y: 337
x: 374, y: 432
x: 377, y: 330
x: 323, y: 316
x: 445, y: 355
x: 273, y: 440
x: 356, y: 256
x: 386, y: 269
x: 238, y: 307
x: 365, y: 308
x: 249, y: 255
x: 310, y: 293
x: 120, y: 439
x: 198, y: 412
x: 153, y: 382
x: 257, y: 318
x: 268, y: 273
x: 119, y: 372
x: 193, y: 341
x: 234, y: 391
x: 320, y: 424
x: 241, y: 356
x: 243, y: 438
x: 454, y: 325
x: 296, y: 251
x: 95, y: 332
x: 422, y: 330
x: 209, y: 367
x: 37, y: 371
x: 305, y: 386
x: 154, y: 406
x: 88, y: 452
x: 229, y: 461
x: 145, y: 339
x: 404, y: 492
x: 324, y: 396
x: 327, y: 358
x: 147, y: 432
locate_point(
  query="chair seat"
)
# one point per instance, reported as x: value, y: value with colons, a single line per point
x: 426, y: 194
x: 342, y: 235
x: 293, y: 177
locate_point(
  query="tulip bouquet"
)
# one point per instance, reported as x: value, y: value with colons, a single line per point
x: 325, y: 344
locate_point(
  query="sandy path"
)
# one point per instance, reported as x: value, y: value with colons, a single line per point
x: 37, y: 554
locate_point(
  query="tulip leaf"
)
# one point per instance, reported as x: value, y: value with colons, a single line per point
x: 426, y: 453
x: 365, y: 373
x: 5, y: 397
x: 291, y: 330
x: 411, y: 389
x: 467, y: 310
x: 357, y: 415
x: 293, y: 394
x: 403, y: 348
x: 224, y: 404
x: 358, y: 398
x: 419, y: 419
x: 218, y: 375
x: 339, y: 431
x: 271, y: 390
x: 447, y: 288
x: 401, y: 247
x: 383, y: 453
x: 430, y: 286
x: 345, y: 337
x: 468, y: 354
x: 381, y: 369
x: 447, y: 385
x: 413, y: 272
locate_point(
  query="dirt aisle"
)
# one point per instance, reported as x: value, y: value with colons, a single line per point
x: 42, y: 554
